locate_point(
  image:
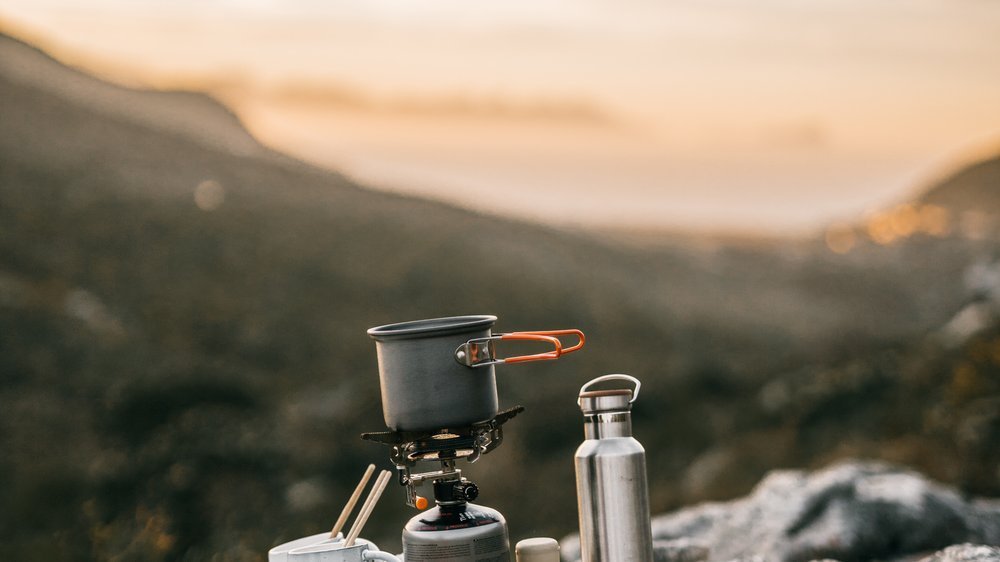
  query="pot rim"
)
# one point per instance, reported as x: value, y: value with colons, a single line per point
x: 432, y: 327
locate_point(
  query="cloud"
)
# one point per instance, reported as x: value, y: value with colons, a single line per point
x: 339, y: 96
x: 807, y: 134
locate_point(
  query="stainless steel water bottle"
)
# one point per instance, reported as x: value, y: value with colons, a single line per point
x: 611, y: 490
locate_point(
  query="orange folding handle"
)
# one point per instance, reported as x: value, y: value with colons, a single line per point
x: 548, y: 337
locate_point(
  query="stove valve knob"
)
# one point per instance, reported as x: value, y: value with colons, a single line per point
x: 466, y: 491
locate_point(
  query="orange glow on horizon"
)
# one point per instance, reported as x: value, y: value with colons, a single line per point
x: 679, y: 115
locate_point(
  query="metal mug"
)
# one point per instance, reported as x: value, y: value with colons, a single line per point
x: 280, y: 552
x: 337, y: 552
x: 439, y: 373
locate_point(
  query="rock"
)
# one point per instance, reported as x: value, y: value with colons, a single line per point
x: 675, y: 550
x: 966, y: 553
x: 680, y: 550
x: 849, y: 511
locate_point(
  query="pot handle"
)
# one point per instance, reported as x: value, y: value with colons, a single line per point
x: 479, y: 352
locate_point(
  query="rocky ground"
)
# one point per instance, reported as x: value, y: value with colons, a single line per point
x: 849, y: 511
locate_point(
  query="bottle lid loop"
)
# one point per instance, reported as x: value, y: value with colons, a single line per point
x: 616, y: 376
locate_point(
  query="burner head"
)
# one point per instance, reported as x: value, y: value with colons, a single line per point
x: 442, y: 446
x: 447, y: 443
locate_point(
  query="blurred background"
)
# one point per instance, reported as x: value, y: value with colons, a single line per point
x: 783, y: 218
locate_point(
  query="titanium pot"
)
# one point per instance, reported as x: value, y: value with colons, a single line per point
x: 439, y: 373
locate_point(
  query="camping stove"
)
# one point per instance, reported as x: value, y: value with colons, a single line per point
x: 444, y: 446
x: 455, y: 530
x: 439, y: 400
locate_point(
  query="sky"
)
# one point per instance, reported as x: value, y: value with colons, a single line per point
x: 768, y: 116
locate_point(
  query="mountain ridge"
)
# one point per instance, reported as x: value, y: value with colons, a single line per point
x: 974, y: 187
x: 197, y: 116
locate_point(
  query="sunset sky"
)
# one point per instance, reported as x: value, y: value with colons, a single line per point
x: 775, y: 115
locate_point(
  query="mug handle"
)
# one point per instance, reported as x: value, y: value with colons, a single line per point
x: 479, y: 352
x: 379, y: 555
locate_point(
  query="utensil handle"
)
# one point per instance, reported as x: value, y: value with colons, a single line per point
x: 366, y: 509
x: 346, y: 512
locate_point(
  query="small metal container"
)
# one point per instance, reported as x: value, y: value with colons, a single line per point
x: 538, y: 549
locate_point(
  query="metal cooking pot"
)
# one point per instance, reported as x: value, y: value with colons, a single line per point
x: 438, y: 373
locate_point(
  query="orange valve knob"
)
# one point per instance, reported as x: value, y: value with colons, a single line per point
x: 420, y: 503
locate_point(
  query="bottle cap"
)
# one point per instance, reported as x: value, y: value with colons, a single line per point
x: 605, y: 401
x: 539, y: 549
x: 615, y: 400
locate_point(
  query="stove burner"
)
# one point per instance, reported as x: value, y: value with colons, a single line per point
x: 441, y: 455
x: 445, y: 445
x: 442, y: 446
x: 401, y: 437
